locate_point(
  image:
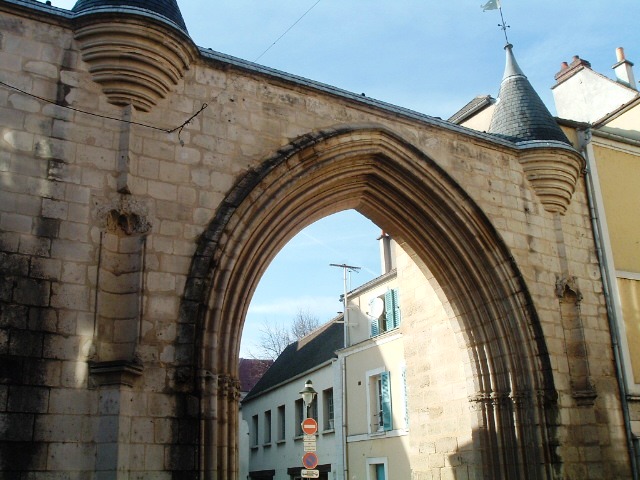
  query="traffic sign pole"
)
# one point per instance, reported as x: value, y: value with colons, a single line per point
x: 310, y: 459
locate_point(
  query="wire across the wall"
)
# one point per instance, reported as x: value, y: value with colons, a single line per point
x: 180, y: 127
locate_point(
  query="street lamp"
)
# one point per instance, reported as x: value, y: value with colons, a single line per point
x: 308, y: 394
x: 309, y: 428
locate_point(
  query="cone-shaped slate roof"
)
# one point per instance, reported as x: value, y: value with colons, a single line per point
x: 165, y: 8
x: 520, y: 115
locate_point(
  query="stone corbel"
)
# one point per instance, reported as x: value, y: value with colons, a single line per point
x: 566, y: 285
x: 136, y: 62
x: 552, y: 172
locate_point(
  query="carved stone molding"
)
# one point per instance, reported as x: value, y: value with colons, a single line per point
x: 117, y: 372
x: 553, y: 174
x: 585, y: 397
x: 229, y: 387
x: 136, y: 62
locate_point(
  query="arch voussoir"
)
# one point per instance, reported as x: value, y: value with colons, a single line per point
x: 376, y: 172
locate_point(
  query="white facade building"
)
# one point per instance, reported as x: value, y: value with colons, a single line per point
x: 274, y: 409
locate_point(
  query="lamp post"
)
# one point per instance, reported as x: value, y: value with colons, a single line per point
x: 308, y: 394
x: 309, y: 428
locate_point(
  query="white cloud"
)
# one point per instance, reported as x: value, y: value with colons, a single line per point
x: 289, y: 306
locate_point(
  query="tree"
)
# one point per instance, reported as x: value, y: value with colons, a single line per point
x: 303, y: 324
x: 274, y: 338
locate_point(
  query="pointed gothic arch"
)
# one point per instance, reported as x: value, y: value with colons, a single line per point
x: 377, y: 173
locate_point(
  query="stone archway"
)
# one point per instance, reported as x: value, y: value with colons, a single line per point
x: 377, y: 173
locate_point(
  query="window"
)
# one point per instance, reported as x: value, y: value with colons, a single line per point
x: 281, y: 423
x: 313, y: 410
x: 300, y: 415
x: 377, y: 469
x: 267, y: 427
x: 254, y: 431
x: 327, y: 409
x: 385, y: 312
x: 380, y: 402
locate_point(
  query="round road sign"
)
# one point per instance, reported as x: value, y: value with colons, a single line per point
x: 309, y: 426
x: 310, y: 460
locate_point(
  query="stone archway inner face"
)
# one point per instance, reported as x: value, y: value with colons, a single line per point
x: 383, y: 177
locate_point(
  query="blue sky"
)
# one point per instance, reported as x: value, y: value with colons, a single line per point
x: 432, y: 57
x: 301, y: 278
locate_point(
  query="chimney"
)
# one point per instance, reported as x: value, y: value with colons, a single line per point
x: 623, y: 70
x: 387, y: 257
x: 569, y: 69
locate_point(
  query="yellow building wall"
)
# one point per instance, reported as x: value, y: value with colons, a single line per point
x: 619, y: 174
x: 389, y: 356
x: 627, y: 124
x: 630, y: 299
x: 394, y: 450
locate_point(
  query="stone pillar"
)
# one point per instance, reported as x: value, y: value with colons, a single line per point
x: 115, y: 368
x: 570, y: 297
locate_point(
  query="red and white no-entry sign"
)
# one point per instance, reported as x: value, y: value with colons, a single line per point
x: 309, y: 426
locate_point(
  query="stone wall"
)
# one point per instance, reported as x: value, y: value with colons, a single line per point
x: 117, y: 241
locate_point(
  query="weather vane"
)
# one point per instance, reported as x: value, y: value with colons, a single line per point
x: 495, y: 5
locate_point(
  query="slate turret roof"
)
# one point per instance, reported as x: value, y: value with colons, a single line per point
x: 520, y: 115
x: 167, y: 9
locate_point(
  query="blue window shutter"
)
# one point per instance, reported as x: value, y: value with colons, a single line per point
x: 392, y: 308
x: 385, y: 387
x: 375, y: 328
x: 388, y: 309
x: 396, y: 308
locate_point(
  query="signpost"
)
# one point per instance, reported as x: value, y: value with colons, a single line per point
x: 309, y: 427
x: 310, y: 459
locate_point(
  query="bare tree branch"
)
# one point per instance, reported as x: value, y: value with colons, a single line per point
x: 303, y: 324
x: 274, y: 338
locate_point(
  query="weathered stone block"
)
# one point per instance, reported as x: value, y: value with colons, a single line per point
x: 17, y: 457
x: 25, y: 399
x: 69, y: 296
x: 26, y: 343
x: 71, y: 456
x: 12, y: 222
x: 63, y: 428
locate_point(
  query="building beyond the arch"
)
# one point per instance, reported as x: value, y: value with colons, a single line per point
x: 129, y: 251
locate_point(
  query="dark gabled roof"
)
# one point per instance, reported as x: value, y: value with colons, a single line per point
x: 301, y: 356
x: 520, y: 115
x: 165, y: 8
x: 250, y: 370
x: 474, y: 106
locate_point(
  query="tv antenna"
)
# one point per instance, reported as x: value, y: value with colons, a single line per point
x: 345, y: 315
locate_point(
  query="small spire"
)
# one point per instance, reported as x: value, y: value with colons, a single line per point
x: 511, y: 68
x: 520, y: 115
